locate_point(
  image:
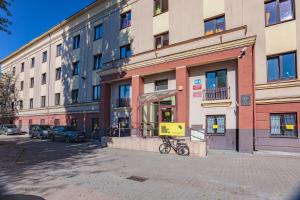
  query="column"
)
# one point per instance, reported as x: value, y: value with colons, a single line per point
x: 105, y: 105
x: 137, y: 87
x: 246, y: 102
x: 182, y: 98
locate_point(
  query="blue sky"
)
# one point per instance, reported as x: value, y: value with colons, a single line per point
x: 31, y: 18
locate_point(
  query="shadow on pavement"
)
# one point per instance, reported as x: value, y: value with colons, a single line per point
x: 21, y: 197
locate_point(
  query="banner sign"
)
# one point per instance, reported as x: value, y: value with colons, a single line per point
x: 215, y: 126
x: 290, y: 127
x: 197, y: 87
x: 197, y: 81
x: 197, y: 94
x: 172, y: 129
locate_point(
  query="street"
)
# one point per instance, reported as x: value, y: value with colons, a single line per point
x: 36, y: 169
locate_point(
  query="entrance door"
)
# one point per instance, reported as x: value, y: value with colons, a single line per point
x: 167, y: 113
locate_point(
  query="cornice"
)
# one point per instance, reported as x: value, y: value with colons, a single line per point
x: 282, y: 84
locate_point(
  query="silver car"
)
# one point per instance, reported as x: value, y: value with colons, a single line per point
x: 9, y: 129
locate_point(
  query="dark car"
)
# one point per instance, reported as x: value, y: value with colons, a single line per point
x: 39, y: 131
x: 67, y: 134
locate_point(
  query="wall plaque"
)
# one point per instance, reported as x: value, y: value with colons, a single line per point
x: 245, y: 100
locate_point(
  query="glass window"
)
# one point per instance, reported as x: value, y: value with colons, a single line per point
x: 124, y: 95
x: 76, y: 68
x: 125, y: 51
x: 125, y: 20
x: 282, y: 67
x: 216, y: 79
x: 22, y: 67
x: 31, y: 103
x: 20, y: 123
x: 43, y: 101
x: 75, y: 96
x: 97, y: 61
x: 277, y: 11
x: 43, y: 122
x: 59, y: 50
x: 21, y: 104
x: 76, y: 42
x: 45, y: 54
x: 215, y: 25
x: 14, y: 71
x: 44, y: 78
x: 74, y: 122
x: 96, y: 92
x: 284, y: 125
x: 58, y: 74
x: 57, y: 99
x: 56, y: 122
x: 161, y: 85
x: 33, y: 62
x: 31, y: 82
x: 215, y: 124
x: 161, y: 40
x: 160, y: 6
x: 98, y: 32
x: 21, y: 85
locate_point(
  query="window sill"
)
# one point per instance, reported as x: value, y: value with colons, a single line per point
x: 284, y: 137
x: 217, y: 103
x: 155, y: 15
x: 281, y: 22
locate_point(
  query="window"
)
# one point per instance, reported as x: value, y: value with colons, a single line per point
x: 282, y: 67
x: 284, y: 125
x: 75, y: 96
x: 56, y: 122
x: 58, y: 50
x: 98, y: 32
x: 76, y: 68
x: 31, y: 82
x: 20, y: 123
x: 33, y: 62
x: 74, y: 122
x: 97, y: 61
x: 44, y: 79
x: 21, y: 85
x: 125, y: 51
x: 161, y: 85
x: 45, y: 56
x: 21, y: 104
x: 76, y: 42
x: 58, y: 74
x: 96, y: 92
x: 14, y: 71
x: 22, y: 67
x: 124, y: 95
x: 57, y: 99
x: 30, y: 122
x: 216, y: 85
x: 214, y: 25
x: 215, y: 124
x: 31, y: 103
x: 278, y: 11
x: 160, y: 6
x: 43, y: 122
x: 125, y: 20
x: 161, y: 40
x: 43, y: 101
x: 95, y: 124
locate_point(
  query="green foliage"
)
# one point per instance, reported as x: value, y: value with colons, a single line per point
x: 4, y: 16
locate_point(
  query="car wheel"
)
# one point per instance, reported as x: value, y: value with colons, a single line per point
x: 31, y: 136
x: 52, y: 138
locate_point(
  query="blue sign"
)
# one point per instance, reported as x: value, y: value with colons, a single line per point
x: 197, y: 81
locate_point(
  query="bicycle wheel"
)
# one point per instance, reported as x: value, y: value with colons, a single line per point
x: 183, y: 150
x: 164, y: 148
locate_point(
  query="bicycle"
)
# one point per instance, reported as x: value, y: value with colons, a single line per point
x: 179, y: 147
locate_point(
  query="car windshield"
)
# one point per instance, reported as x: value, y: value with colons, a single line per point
x: 11, y: 126
x: 70, y: 128
x: 45, y: 127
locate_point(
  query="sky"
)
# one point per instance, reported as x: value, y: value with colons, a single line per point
x: 32, y: 18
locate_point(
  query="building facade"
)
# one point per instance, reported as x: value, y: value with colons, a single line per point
x: 226, y: 67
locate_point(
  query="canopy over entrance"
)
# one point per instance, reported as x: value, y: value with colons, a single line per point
x: 154, y: 108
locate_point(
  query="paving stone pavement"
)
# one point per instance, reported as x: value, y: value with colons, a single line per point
x: 59, y: 171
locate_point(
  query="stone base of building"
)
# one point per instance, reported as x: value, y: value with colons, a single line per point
x: 152, y: 145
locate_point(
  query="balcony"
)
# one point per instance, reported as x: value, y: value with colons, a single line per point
x: 123, y: 102
x: 219, y: 97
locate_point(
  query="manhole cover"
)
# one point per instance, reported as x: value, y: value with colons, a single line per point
x: 137, y: 178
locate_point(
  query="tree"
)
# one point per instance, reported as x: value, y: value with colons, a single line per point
x: 9, y: 99
x: 4, y: 21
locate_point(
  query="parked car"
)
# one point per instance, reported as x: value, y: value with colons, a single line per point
x: 39, y: 131
x: 67, y: 134
x: 9, y: 129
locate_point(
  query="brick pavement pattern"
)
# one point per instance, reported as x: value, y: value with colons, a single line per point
x: 59, y: 171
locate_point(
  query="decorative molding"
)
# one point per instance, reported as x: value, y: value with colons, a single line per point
x: 282, y: 84
x: 295, y: 99
x: 182, y: 55
x: 217, y: 103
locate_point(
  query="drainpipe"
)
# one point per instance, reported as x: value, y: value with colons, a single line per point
x: 49, y: 68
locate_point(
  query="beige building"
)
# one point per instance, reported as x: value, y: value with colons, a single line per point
x: 226, y: 67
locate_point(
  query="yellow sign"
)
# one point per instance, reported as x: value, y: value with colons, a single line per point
x: 172, y: 129
x: 215, y: 126
x: 290, y: 127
